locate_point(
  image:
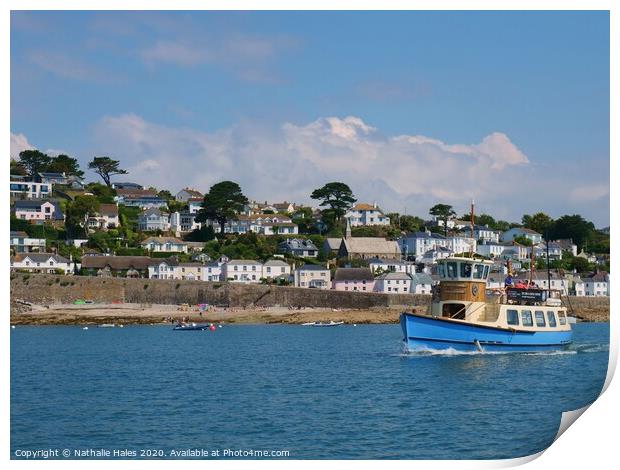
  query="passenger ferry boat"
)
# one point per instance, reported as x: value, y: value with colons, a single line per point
x: 465, y: 316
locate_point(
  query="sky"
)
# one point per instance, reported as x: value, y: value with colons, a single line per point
x: 410, y: 109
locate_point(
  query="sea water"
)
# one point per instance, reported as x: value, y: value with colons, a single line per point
x: 346, y: 392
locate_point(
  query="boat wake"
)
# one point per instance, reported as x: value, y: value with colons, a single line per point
x: 573, y: 349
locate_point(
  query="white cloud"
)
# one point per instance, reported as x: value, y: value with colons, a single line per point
x: 402, y: 173
x: 19, y: 143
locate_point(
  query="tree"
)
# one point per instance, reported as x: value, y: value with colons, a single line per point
x: 105, y: 194
x: 106, y: 167
x: 78, y: 211
x: 523, y: 240
x: 539, y: 222
x: 337, y: 196
x: 65, y: 164
x: 304, y: 219
x: 410, y: 223
x: 34, y: 161
x: 572, y: 226
x: 18, y: 168
x: 442, y: 212
x: 222, y: 203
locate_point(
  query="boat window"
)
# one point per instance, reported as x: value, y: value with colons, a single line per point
x: 466, y: 270
x: 562, y: 317
x: 479, y: 271
x: 451, y: 269
x: 486, y: 272
x: 456, y: 311
x: 540, y: 318
x: 551, y: 318
x: 512, y: 317
x: 441, y: 270
x: 526, y: 318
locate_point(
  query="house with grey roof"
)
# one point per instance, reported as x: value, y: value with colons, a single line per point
x: 415, y: 244
x: 312, y: 276
x: 379, y: 266
x: 164, y: 245
x: 276, y: 268
x: 116, y: 266
x: 38, y: 210
x: 242, y: 270
x: 353, y: 279
x: 421, y: 283
x: 298, y: 247
x: 153, y: 219
x: 510, y: 235
x: 393, y: 283
x: 46, y: 263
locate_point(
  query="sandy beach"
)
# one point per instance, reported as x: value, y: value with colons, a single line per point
x: 93, y: 314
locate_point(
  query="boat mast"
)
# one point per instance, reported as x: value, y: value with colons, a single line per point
x: 472, y: 229
x: 531, y: 263
x: 548, y: 270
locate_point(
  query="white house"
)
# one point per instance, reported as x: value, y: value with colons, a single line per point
x: 22, y: 243
x: 312, y: 276
x: 143, y: 198
x: 597, y: 284
x: 510, y: 235
x: 276, y: 268
x: 579, y: 286
x: 194, y: 205
x: 539, y: 278
x: 490, y: 249
x: 265, y: 224
x: 183, y: 222
x: 391, y: 265
x: 366, y: 214
x: 567, y: 245
x: 171, y: 268
x: 421, y: 283
x: 48, y: 263
x: 483, y: 233
x: 461, y: 244
x: 431, y: 256
x: 106, y: 217
x: 164, y: 245
x: 29, y: 189
x: 153, y: 219
x: 393, y: 283
x: 186, y: 194
x: 213, y: 272
x: 418, y: 243
x: 242, y: 270
x: 515, y: 251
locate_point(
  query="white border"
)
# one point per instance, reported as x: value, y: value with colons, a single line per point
x: 590, y: 443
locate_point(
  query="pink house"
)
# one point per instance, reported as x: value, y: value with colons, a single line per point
x: 37, y: 210
x: 353, y: 279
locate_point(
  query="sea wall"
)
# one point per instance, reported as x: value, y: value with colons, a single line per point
x: 51, y: 289
x: 46, y: 289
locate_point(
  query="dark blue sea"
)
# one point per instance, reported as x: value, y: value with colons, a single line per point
x: 317, y: 393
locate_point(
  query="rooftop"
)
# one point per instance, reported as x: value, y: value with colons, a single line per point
x: 353, y: 274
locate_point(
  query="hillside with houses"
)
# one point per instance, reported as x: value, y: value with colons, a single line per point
x: 60, y: 223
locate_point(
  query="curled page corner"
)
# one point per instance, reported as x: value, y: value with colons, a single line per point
x: 568, y: 418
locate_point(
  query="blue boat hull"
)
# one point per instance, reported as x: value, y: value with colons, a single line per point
x: 424, y: 332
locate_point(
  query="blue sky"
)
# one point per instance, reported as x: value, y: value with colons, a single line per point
x: 409, y: 108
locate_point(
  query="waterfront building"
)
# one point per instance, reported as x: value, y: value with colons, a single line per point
x: 212, y: 271
x: 47, y: 263
x: 164, y: 245
x: 379, y: 266
x: 597, y: 284
x: 353, y: 279
x: 275, y: 268
x: 298, y: 247
x: 172, y: 268
x: 242, y: 270
x: 393, y: 283
x: 22, y: 243
x: 312, y: 276
x: 421, y: 283
x: 366, y: 214
x: 116, y: 266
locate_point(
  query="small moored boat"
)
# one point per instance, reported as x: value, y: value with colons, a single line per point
x: 190, y: 327
x: 465, y: 316
x: 330, y: 323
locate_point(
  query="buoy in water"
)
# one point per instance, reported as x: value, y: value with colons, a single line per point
x: 219, y: 326
x: 212, y: 327
x: 354, y: 324
x: 85, y: 328
x: 13, y: 326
